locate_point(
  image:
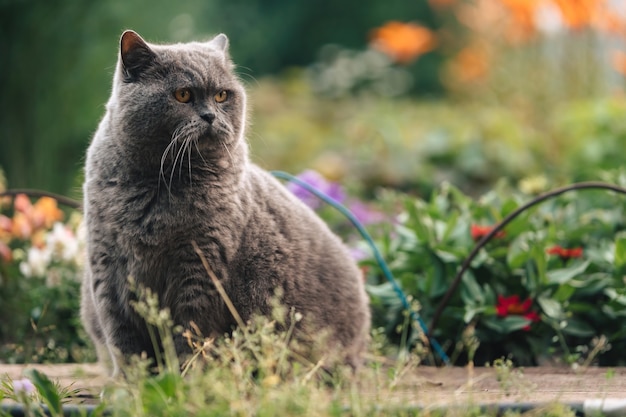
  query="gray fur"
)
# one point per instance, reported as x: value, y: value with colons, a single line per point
x: 161, y: 173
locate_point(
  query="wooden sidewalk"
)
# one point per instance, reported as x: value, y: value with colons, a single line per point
x: 427, y: 386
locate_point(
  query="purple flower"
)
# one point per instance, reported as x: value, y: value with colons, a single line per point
x: 366, y: 214
x: 23, y: 385
x: 358, y: 254
x: 317, y: 181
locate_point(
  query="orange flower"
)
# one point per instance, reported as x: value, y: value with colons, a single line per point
x: 478, y: 232
x: 6, y: 228
x: 403, y: 42
x: 42, y: 214
x: 470, y: 64
x: 609, y: 21
x: 46, y: 212
x: 618, y: 59
x: 523, y: 13
x: 21, y: 226
x: 577, y: 14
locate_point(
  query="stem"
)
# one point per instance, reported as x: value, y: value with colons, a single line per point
x: 75, y: 204
x: 219, y: 286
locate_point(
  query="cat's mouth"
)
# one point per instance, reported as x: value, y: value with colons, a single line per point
x: 213, y: 136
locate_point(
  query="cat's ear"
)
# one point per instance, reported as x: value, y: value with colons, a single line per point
x: 220, y: 43
x: 135, y: 54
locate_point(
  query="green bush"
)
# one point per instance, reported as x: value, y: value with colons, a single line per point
x: 417, y: 145
x: 40, y: 258
x: 548, y: 289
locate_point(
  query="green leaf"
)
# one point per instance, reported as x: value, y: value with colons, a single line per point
x: 471, y: 312
x: 471, y: 293
x: 508, y: 206
x: 450, y: 226
x: 160, y: 392
x: 563, y: 275
x: 550, y: 307
x: 578, y: 328
x: 47, y: 390
x: 539, y: 256
x: 564, y: 292
x: 620, y: 250
x: 419, y: 220
x: 385, y: 293
x: 518, y: 252
x: 480, y: 259
x: 505, y: 325
x: 439, y: 280
x: 446, y: 256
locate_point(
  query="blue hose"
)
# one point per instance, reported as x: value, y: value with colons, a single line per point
x: 377, y: 255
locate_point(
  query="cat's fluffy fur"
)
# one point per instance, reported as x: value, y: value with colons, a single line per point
x: 161, y: 173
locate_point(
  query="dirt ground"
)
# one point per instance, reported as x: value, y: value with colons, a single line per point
x: 429, y: 386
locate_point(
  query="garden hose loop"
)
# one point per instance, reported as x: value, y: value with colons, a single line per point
x: 377, y: 255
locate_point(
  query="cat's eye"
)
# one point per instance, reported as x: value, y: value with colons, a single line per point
x: 221, y: 96
x: 183, y: 95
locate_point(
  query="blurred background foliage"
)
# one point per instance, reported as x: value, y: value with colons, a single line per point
x: 394, y: 93
x: 58, y: 60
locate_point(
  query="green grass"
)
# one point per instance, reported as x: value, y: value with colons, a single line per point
x: 254, y: 372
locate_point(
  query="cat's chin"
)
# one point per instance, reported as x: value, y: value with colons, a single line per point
x: 211, y: 138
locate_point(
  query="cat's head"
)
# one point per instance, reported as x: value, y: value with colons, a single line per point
x: 179, y: 95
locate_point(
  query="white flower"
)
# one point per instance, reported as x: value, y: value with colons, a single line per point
x: 62, y: 242
x: 37, y: 261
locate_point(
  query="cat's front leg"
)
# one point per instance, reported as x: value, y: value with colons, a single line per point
x: 201, y: 311
x: 118, y: 325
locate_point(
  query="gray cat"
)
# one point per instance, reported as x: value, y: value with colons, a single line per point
x: 169, y: 165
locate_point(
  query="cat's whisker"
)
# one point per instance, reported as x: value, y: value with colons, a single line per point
x: 161, y: 171
x: 178, y: 154
x: 175, y: 152
x: 188, y: 146
x: 168, y: 149
x: 247, y: 74
x: 232, y: 160
x: 206, y: 164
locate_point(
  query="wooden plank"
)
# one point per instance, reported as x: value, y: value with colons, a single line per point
x: 425, y: 386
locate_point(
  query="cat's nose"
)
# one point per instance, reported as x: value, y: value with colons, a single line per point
x: 208, y: 117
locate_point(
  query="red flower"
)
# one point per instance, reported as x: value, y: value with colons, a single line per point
x: 512, y: 305
x: 478, y: 232
x: 564, y: 253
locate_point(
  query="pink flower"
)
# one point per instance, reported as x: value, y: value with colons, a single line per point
x: 5, y: 253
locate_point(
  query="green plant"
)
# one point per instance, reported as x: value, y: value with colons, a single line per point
x: 254, y: 371
x: 40, y: 257
x: 39, y: 396
x: 533, y: 292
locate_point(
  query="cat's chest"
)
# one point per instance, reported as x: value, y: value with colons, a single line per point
x: 161, y: 220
